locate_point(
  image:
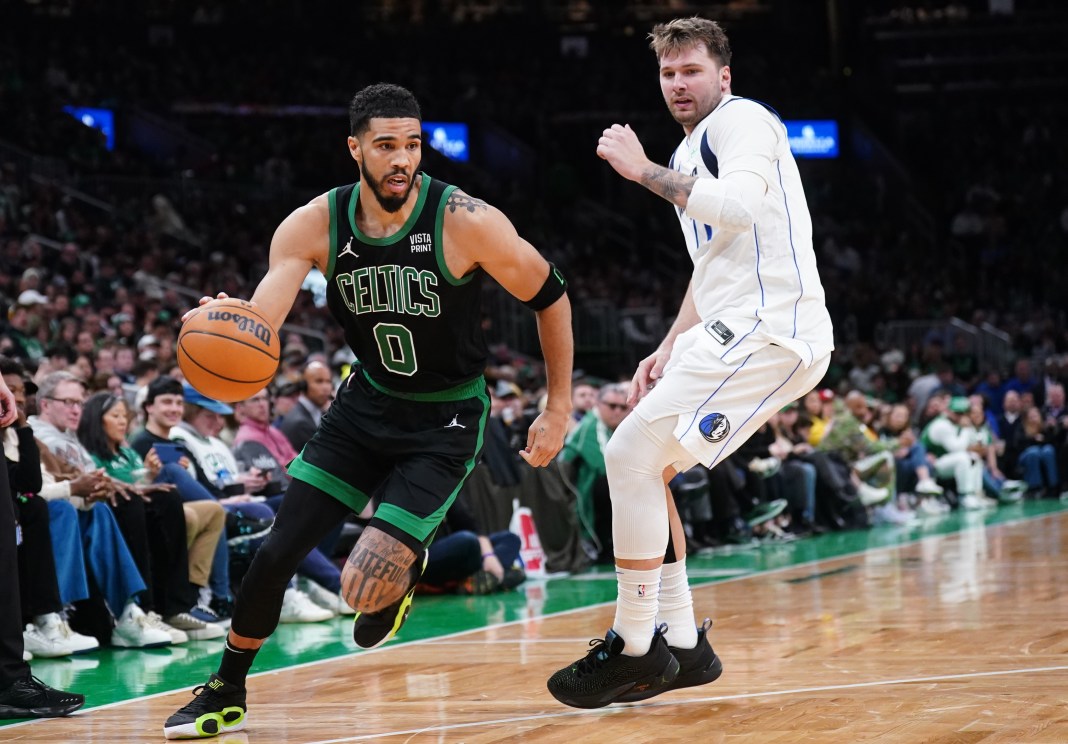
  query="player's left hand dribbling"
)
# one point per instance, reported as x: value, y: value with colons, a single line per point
x: 545, y: 438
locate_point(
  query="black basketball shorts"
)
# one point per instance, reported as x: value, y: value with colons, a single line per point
x: 411, y: 453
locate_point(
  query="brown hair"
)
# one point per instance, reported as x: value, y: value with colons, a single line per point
x: 683, y: 33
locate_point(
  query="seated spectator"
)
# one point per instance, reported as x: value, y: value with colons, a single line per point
x: 21, y: 694
x: 948, y: 438
x: 799, y: 475
x: 583, y: 461
x: 247, y: 522
x: 819, y: 408
x: 259, y: 445
x: 583, y: 399
x: 463, y: 559
x: 85, y: 538
x: 1037, y: 462
x: 910, y: 460
x: 47, y: 632
x: 851, y: 439
x: 154, y: 530
x: 301, y: 422
x: 986, y: 444
x: 198, y: 430
x: 102, y: 431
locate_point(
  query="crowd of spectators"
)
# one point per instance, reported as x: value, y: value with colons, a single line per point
x: 101, y: 254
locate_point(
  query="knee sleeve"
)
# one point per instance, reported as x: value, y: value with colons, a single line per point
x: 635, y: 458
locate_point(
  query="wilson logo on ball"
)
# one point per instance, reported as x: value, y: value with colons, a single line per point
x: 261, y: 331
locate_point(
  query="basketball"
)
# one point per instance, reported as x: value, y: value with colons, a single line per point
x: 227, y: 350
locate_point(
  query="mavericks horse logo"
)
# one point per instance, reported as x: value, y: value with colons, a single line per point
x: 714, y: 427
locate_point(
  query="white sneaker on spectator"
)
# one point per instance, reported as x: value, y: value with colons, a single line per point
x: 972, y: 502
x: 177, y: 636
x: 871, y: 495
x: 136, y: 630
x: 41, y: 646
x: 889, y: 513
x: 928, y: 487
x: 931, y: 507
x: 54, y: 626
x: 298, y: 608
x: 197, y: 624
x: 323, y: 597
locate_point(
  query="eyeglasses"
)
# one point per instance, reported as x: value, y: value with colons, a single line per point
x: 69, y: 402
x: 617, y: 406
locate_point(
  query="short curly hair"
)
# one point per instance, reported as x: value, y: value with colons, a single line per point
x: 381, y: 101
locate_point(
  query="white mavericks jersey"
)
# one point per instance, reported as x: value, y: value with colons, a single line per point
x: 761, y: 283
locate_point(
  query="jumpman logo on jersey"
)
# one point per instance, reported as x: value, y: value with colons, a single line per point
x: 455, y: 423
x: 348, y: 249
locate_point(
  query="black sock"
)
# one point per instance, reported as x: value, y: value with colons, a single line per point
x: 235, y: 663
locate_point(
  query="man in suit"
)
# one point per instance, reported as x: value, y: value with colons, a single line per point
x: 300, y: 423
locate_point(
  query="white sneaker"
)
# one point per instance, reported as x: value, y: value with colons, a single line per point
x: 136, y: 630
x: 40, y: 645
x: 54, y: 626
x: 177, y: 636
x: 932, y: 507
x: 972, y: 502
x: 323, y: 597
x: 890, y: 514
x: 297, y: 608
x: 26, y: 655
x: 196, y: 628
x: 928, y: 487
x: 870, y: 495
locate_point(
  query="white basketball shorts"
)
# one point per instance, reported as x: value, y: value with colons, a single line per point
x: 718, y: 405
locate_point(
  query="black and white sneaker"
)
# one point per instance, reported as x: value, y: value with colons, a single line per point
x: 32, y: 698
x: 218, y: 708
x: 606, y: 675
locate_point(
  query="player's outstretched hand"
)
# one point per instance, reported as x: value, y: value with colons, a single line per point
x: 649, y: 371
x: 545, y: 438
x: 204, y: 301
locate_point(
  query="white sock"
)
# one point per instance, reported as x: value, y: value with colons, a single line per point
x: 676, y: 606
x: 636, y: 608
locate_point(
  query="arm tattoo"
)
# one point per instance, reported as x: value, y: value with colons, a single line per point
x: 670, y: 184
x: 381, y: 566
x: 460, y: 200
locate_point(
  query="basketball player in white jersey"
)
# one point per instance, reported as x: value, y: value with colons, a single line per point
x: 751, y: 335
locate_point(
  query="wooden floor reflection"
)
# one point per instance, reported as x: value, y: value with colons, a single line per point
x: 960, y: 638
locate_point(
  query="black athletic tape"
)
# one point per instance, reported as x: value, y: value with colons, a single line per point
x: 552, y: 290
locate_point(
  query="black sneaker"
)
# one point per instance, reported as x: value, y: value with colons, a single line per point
x: 372, y: 629
x: 218, y: 708
x: 241, y: 529
x: 513, y: 577
x: 605, y: 675
x: 32, y: 698
x: 480, y: 582
x: 697, y: 666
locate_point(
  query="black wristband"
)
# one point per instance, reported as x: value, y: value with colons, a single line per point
x: 552, y: 290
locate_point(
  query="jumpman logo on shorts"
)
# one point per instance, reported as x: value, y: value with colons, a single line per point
x: 348, y: 249
x: 455, y: 423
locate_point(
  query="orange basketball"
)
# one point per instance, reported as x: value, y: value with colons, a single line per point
x: 227, y: 350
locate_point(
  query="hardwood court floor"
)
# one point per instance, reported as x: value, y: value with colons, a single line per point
x: 957, y: 637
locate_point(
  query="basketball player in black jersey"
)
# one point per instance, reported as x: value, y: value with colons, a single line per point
x: 404, y: 256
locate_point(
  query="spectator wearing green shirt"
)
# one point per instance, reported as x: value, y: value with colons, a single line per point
x: 583, y: 458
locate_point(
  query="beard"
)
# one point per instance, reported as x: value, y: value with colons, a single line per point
x: 389, y: 202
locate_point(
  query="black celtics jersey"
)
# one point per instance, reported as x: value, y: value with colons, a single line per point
x: 414, y: 326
